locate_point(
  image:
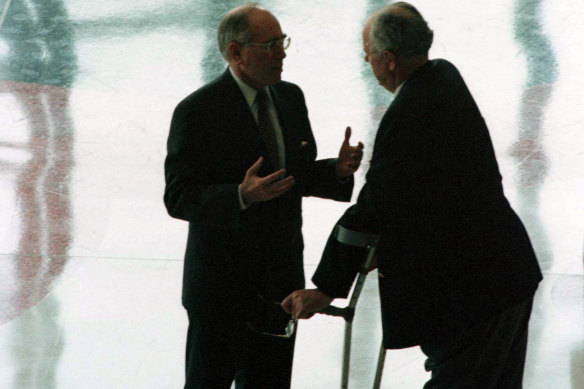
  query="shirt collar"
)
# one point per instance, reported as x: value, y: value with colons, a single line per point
x: 248, y: 92
x: 397, y: 89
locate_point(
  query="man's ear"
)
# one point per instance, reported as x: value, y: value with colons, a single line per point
x: 391, y: 59
x: 235, y: 52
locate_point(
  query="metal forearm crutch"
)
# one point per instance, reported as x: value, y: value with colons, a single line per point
x: 368, y: 241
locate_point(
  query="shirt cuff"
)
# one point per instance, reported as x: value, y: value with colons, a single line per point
x: 242, y: 205
x: 344, y: 180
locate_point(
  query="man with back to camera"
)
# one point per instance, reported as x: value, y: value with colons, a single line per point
x: 457, y: 272
x: 241, y: 154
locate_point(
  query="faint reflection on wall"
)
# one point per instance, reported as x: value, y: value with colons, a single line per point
x: 40, y: 66
x: 378, y: 97
x: 212, y: 63
x: 45, y: 237
x: 528, y: 151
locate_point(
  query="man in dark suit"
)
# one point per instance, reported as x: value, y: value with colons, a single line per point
x: 457, y: 272
x: 241, y: 154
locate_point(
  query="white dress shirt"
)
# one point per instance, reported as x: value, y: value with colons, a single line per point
x: 250, y: 97
x: 398, y: 89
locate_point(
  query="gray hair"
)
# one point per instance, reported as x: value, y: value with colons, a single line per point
x: 234, y: 26
x: 404, y: 33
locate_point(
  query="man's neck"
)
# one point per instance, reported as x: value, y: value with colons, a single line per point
x: 242, y: 77
x: 409, y: 66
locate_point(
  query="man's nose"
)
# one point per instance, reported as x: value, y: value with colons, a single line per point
x: 279, y: 52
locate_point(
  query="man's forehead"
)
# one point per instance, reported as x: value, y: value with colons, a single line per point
x: 263, y: 23
x: 366, y: 31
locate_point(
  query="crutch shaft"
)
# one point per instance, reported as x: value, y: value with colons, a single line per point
x: 361, y: 276
x: 379, y: 370
x: 346, y: 355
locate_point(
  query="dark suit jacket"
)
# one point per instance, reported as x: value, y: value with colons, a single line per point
x: 453, y: 251
x: 233, y: 255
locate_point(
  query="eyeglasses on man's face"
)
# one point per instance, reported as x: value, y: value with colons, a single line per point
x: 282, y: 43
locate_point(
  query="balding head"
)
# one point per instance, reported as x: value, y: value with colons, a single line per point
x: 396, y: 40
x: 400, y: 29
x: 252, y: 42
x: 235, y: 26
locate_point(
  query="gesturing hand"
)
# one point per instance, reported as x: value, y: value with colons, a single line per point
x: 255, y: 188
x: 349, y: 157
x: 302, y: 304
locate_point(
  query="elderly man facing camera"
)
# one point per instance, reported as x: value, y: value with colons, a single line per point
x: 241, y: 155
x: 457, y: 272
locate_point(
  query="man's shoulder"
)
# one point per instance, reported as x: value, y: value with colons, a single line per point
x: 436, y: 69
x: 208, y: 93
x: 288, y: 90
x: 433, y: 80
x: 287, y: 85
x: 442, y: 64
x: 447, y: 70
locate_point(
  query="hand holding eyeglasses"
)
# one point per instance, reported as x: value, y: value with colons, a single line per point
x: 271, y: 313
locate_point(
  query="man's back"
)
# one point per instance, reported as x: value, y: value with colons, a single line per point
x: 453, y: 250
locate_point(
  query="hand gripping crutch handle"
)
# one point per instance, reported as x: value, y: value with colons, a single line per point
x: 346, y: 313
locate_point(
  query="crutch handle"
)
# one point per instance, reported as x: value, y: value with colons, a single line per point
x: 346, y: 313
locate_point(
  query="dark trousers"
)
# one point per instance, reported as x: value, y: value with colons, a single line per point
x: 491, y: 355
x: 218, y: 355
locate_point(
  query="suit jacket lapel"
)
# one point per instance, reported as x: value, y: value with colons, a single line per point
x: 236, y: 103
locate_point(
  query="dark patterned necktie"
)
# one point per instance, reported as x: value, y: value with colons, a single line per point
x: 267, y: 128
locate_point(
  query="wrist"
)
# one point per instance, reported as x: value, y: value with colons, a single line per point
x: 338, y: 174
x: 325, y: 296
x: 342, y: 178
x: 243, y: 198
x: 342, y: 175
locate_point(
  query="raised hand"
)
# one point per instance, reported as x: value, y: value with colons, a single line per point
x: 255, y: 188
x: 349, y: 157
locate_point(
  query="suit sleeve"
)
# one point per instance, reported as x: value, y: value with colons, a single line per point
x: 323, y: 182
x: 339, y: 265
x: 191, y: 192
